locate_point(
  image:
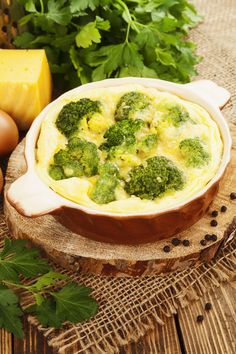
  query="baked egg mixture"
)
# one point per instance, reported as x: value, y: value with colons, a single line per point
x: 127, y: 149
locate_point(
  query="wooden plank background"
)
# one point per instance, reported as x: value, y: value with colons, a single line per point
x: 181, y: 334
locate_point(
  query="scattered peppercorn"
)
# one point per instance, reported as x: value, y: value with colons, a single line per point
x: 4, y: 29
x: 203, y: 242
x: 232, y: 196
x: 186, y: 243
x: 208, y: 306
x: 214, y: 213
x: 223, y: 209
x: 200, y: 318
x: 175, y: 241
x: 207, y: 237
x: 6, y: 11
x: 214, y: 223
x: 213, y: 237
x: 166, y: 248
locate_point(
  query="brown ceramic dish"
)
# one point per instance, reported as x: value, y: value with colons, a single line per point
x: 32, y: 197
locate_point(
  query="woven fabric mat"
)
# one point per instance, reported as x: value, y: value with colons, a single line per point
x: 130, y: 307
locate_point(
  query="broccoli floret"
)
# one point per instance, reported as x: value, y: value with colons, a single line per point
x: 129, y: 104
x: 56, y: 172
x: 90, y: 159
x: 176, y: 115
x: 192, y: 150
x: 73, y: 169
x: 117, y: 152
x: 71, y: 114
x: 62, y: 157
x: 79, y: 158
x: 121, y: 132
x: 104, y: 189
x: 153, y: 179
x: 148, y: 143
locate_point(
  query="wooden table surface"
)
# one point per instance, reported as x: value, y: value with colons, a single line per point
x: 181, y: 334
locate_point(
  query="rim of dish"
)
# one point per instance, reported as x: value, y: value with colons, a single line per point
x: 181, y: 90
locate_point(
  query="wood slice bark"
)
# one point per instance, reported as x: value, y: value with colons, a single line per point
x: 79, y: 253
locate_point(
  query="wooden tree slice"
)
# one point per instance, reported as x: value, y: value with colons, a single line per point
x: 79, y: 253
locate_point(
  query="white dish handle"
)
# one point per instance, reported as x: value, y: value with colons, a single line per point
x: 31, y: 197
x: 217, y: 95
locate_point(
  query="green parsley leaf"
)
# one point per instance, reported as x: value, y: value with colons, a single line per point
x: 58, y: 13
x: 10, y: 312
x: 30, y: 6
x: 83, y: 4
x: 47, y: 279
x: 165, y: 57
x: 88, y: 35
x: 24, y: 40
x: 16, y: 258
x: 112, y: 38
x: 46, y: 314
x: 74, y: 304
x: 102, y: 24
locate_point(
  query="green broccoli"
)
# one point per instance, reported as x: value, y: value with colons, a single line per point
x: 56, y: 172
x: 73, y: 169
x: 148, y: 143
x: 129, y: 104
x: 194, y: 153
x: 117, y: 152
x: 79, y: 158
x: 125, y: 151
x: 104, y: 189
x: 71, y: 114
x: 176, y: 115
x: 151, y: 180
x: 121, y: 132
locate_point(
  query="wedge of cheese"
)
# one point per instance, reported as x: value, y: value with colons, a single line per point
x: 25, y: 84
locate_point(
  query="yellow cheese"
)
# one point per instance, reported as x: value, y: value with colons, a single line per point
x: 25, y: 84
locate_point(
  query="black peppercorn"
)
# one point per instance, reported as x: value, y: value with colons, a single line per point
x: 166, y: 248
x: 223, y: 209
x: 207, y: 237
x: 200, y: 318
x: 175, y: 241
x: 186, y: 243
x: 6, y: 11
x: 214, y: 223
x: 214, y: 213
x: 232, y: 196
x: 213, y: 237
x: 208, y: 306
x: 203, y: 242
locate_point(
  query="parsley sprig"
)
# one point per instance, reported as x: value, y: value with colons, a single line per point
x: 72, y: 302
x: 90, y: 40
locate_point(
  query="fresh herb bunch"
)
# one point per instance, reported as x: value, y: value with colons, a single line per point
x: 51, y: 307
x: 90, y: 40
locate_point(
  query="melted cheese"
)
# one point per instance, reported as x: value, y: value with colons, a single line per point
x: 77, y: 189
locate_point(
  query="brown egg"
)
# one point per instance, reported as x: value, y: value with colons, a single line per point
x: 1, y: 180
x: 9, y: 135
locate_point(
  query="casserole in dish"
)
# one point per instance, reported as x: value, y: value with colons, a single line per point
x: 189, y: 148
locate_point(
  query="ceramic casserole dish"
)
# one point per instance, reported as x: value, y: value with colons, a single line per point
x: 32, y: 197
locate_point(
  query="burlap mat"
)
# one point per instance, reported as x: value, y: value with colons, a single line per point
x: 130, y: 307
